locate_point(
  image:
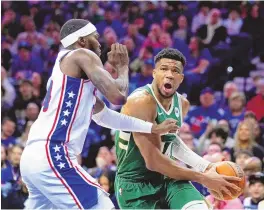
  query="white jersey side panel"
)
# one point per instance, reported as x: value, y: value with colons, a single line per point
x: 66, y: 111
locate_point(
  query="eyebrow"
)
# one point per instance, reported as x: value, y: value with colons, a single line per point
x: 165, y: 65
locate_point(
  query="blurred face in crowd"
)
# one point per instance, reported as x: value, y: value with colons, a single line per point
x: 165, y: 40
x: 207, y: 99
x: 255, y: 11
x: 108, y: 67
x: 205, y: 10
x: 26, y: 90
x: 15, y: 155
x: 216, y: 139
x: 236, y: 104
x: 36, y: 79
x: 193, y: 45
x: 32, y: 111
x: 182, y: 22
x: 104, y: 182
x: 260, y: 86
x: 24, y: 54
x: 214, y: 148
x: 9, y: 16
x: 187, y: 139
x: 224, y: 124
x: 110, y: 38
x: 256, y: 191
x: 132, y: 30
x: 3, y: 153
x: 8, y: 128
x: 229, y: 88
x: 147, y: 70
x: 168, y: 76
x: 252, y: 165
x: 30, y: 26
x: 241, y: 159
x: 234, y: 15
x: 155, y: 29
x: 109, y: 16
x: 104, y: 157
x: 140, y: 22
x: 215, y: 15
x: 129, y: 43
x: 243, y: 132
x: 166, y: 24
x: 185, y: 128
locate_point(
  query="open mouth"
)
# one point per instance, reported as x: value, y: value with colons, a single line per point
x: 167, y: 87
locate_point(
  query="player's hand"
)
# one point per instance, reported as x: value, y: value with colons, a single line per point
x: 219, y: 183
x: 118, y: 56
x: 167, y: 126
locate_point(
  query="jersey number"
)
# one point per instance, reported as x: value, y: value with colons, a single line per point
x: 47, y: 97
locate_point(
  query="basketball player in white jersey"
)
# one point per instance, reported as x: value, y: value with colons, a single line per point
x: 48, y: 164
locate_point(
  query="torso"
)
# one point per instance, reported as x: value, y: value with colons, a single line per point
x: 66, y: 112
x: 130, y: 161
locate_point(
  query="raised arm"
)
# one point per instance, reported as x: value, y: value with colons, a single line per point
x: 150, y: 148
x: 108, y: 118
x: 114, y: 90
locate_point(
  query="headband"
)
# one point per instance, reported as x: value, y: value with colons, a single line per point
x: 73, y: 37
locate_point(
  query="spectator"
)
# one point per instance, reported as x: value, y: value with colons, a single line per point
x: 197, y: 66
x: 252, y: 166
x: 214, y: 32
x: 188, y: 139
x: 244, y: 139
x: 229, y: 88
x: 236, y: 110
x: 256, y: 192
x: 95, y: 13
x: 165, y: 41
x: 214, y: 148
x: 22, y: 140
x: 8, y: 129
x: 234, y: 22
x: 144, y: 78
x: 39, y: 90
x: 242, y: 156
x: 152, y: 14
x: 182, y: 32
x: 106, y: 180
x: 25, y: 63
x: 132, y: 32
x: 110, y: 21
x: 229, y: 204
x: 110, y: 38
x: 256, y: 76
x: 199, y: 117
x: 153, y: 37
x: 256, y: 104
x: 253, y: 24
x: 131, y: 48
x: 12, y: 173
x: 9, y: 91
x: 200, y: 18
x: 4, y: 162
x: 167, y: 26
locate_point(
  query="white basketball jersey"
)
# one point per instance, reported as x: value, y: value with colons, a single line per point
x: 66, y: 111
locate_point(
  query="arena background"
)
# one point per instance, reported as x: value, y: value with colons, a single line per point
x: 223, y: 43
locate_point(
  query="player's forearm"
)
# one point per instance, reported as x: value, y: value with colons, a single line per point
x: 122, y: 81
x: 186, y: 155
x: 114, y: 120
x: 167, y: 167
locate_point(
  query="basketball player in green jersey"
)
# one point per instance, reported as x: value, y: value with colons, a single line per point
x: 146, y: 177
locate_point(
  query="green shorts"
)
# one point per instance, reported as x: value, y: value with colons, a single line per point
x: 171, y: 194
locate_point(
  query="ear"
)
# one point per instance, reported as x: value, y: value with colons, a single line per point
x: 81, y: 42
x: 154, y: 73
x: 182, y: 77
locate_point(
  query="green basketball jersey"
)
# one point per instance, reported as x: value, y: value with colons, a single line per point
x: 130, y: 162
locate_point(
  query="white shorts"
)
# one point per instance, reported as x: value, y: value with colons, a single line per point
x: 56, y: 181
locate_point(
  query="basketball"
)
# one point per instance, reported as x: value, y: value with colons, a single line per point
x: 230, y: 169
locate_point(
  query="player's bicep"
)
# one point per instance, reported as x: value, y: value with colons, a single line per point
x: 91, y: 64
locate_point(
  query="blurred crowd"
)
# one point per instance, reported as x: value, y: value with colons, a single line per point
x: 223, y: 43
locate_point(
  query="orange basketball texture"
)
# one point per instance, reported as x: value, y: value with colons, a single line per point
x: 231, y: 169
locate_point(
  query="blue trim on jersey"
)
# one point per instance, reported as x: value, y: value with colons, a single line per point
x: 66, y: 113
x: 86, y: 193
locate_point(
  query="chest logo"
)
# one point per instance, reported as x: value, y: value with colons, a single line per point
x: 177, y: 112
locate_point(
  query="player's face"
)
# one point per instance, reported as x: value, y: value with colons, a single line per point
x: 92, y: 43
x: 168, y: 76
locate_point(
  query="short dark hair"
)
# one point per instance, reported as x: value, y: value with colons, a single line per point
x: 219, y: 132
x: 171, y: 54
x: 71, y: 26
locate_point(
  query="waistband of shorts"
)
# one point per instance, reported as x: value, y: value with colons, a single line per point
x: 145, y: 179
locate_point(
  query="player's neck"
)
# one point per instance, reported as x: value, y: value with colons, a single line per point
x: 165, y: 102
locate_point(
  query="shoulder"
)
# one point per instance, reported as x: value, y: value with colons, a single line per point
x: 139, y: 104
x: 184, y: 100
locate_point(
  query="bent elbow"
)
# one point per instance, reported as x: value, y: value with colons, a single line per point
x: 118, y: 99
x: 150, y: 164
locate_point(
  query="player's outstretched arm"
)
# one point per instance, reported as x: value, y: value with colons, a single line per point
x: 149, y: 146
x: 113, y: 89
x: 108, y: 118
